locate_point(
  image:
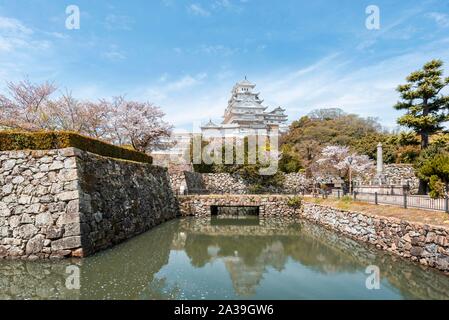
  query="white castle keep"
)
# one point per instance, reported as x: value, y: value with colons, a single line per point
x: 245, y: 115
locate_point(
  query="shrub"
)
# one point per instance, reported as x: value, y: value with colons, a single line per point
x: 435, y: 171
x: 295, y: 202
x: 437, y: 187
x: 47, y: 140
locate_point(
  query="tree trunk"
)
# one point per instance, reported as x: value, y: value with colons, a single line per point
x: 425, y: 134
x: 423, y: 187
x: 424, y: 140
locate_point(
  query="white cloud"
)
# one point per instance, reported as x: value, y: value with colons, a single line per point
x: 185, y: 82
x: 12, y: 25
x: 14, y: 34
x: 441, y: 19
x: 217, y: 50
x: 57, y: 35
x: 198, y: 10
x: 165, y: 90
x: 114, y: 54
x: 118, y: 22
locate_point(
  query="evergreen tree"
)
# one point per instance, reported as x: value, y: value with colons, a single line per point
x: 426, y: 108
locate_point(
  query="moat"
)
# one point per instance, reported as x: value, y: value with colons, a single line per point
x: 224, y: 257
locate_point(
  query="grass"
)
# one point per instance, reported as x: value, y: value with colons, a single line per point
x: 48, y: 140
x: 413, y: 215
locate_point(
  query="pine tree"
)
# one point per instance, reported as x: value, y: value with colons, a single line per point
x: 426, y: 108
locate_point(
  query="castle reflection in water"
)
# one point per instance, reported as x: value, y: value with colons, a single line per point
x: 227, y: 257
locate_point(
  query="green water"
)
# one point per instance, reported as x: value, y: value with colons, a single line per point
x: 227, y: 258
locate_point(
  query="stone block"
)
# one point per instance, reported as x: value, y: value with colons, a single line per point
x: 26, y: 218
x: 66, y: 243
x: 54, y: 232
x: 70, y: 163
x: 72, y: 207
x: 35, y: 244
x: 4, y: 210
x: 14, y: 221
x: 33, y: 209
x: 27, y: 231
x: 56, y: 165
x: 23, y: 199
x: 44, y: 219
x: 67, y: 218
x: 72, y: 229
x: 7, y: 189
x: 68, y: 195
x: 8, y: 164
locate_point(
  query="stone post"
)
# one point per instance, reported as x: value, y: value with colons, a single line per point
x: 380, y: 165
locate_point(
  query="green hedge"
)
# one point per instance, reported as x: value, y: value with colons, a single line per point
x: 47, y: 140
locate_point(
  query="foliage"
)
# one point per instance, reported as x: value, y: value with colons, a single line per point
x: 290, y: 161
x: 295, y: 202
x: 346, y: 199
x: 426, y: 109
x: 400, y: 148
x: 435, y: 170
x: 307, y: 136
x: 433, y: 150
x: 47, y: 140
x: 437, y: 187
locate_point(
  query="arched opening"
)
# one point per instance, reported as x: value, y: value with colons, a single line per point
x: 235, y: 210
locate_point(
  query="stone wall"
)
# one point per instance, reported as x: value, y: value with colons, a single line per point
x: 67, y: 202
x: 186, y: 181
x: 177, y: 181
x: 226, y: 183
x: 295, y: 183
x: 269, y: 205
x: 219, y: 183
x: 38, y: 203
x: 428, y: 245
x: 120, y: 199
x: 396, y: 174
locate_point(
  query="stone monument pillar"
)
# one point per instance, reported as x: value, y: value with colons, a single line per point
x: 380, y: 165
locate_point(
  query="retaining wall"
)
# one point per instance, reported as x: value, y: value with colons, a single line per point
x: 68, y: 202
x: 269, y: 205
x: 428, y: 245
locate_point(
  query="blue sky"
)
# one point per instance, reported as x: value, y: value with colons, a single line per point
x: 185, y: 55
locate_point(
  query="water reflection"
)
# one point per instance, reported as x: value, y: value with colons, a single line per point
x: 227, y: 257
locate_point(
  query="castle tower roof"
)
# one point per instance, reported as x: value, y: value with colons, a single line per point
x: 210, y: 125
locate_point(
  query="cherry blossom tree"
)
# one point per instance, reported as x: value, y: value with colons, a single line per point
x: 336, y: 161
x: 31, y: 107
x: 26, y: 106
x: 139, y: 124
